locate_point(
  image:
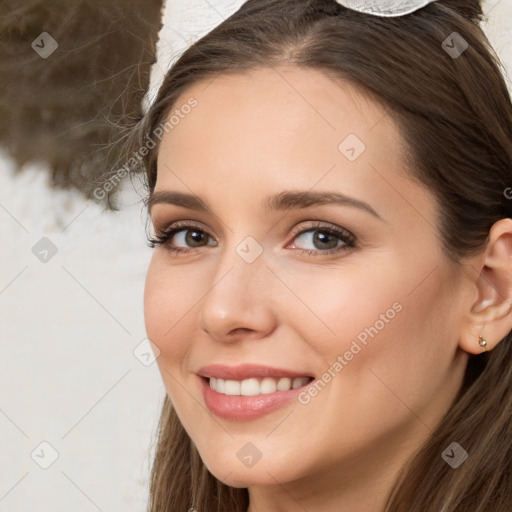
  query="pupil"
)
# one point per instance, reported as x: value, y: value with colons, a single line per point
x: 321, y: 236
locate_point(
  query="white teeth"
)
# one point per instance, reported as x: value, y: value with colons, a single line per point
x: 268, y: 385
x: 284, y: 384
x: 297, y: 382
x: 231, y: 387
x: 250, y: 387
x: 254, y: 386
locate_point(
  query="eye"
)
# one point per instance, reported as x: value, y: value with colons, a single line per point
x: 324, y: 239
x: 181, y: 237
x: 190, y: 238
x: 184, y: 237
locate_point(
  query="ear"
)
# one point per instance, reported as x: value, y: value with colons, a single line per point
x: 490, y: 313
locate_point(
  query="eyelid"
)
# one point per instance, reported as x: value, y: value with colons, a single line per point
x: 327, y: 226
x: 181, y: 223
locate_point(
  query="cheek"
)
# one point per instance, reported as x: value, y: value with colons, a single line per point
x: 168, y: 300
x: 156, y: 303
x: 332, y: 306
x: 167, y: 315
x: 391, y: 322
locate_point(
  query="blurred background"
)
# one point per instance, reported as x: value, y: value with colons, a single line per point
x: 80, y: 393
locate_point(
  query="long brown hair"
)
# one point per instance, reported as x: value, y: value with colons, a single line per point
x: 455, y: 115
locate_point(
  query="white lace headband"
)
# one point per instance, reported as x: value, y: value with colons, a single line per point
x: 387, y: 8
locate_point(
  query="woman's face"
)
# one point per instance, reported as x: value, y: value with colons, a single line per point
x: 309, y: 260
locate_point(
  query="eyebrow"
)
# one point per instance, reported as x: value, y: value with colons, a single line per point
x: 292, y: 200
x: 283, y: 201
x: 189, y: 201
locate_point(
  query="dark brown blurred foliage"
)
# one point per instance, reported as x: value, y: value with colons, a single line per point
x: 73, y: 109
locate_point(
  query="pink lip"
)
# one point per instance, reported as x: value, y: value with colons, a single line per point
x: 246, y: 371
x: 243, y: 408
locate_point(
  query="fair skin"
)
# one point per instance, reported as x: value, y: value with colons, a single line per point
x: 252, y: 136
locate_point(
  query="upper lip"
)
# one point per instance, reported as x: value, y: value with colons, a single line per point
x: 246, y: 371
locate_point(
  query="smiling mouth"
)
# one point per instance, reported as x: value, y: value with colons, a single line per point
x: 256, y: 386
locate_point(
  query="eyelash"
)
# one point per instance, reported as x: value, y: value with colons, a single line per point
x: 163, y: 236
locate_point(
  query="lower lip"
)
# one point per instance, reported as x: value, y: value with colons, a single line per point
x: 243, y: 408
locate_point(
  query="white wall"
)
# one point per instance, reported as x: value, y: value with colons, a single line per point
x: 68, y: 327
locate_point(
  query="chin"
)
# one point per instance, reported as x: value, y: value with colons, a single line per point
x: 244, y: 478
x: 234, y: 473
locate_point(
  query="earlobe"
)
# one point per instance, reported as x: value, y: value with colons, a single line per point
x: 482, y: 342
x: 490, y: 318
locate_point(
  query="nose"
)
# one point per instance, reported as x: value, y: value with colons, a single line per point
x: 239, y: 301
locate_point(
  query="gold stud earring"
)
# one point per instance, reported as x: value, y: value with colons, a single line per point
x: 483, y: 343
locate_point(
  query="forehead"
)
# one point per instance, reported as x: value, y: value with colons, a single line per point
x: 281, y: 128
x: 301, y: 106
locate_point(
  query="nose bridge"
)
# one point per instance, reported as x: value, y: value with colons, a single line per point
x: 243, y: 263
x: 239, y: 294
